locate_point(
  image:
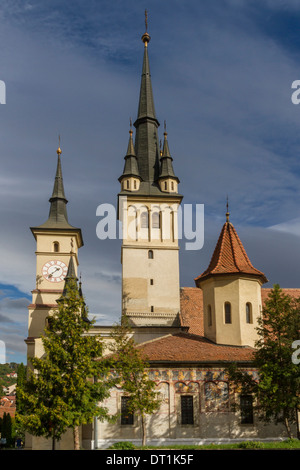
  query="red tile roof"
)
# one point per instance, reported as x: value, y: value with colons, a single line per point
x: 230, y: 257
x: 191, y: 305
x: 185, y: 347
x: 294, y: 293
x: 8, y: 405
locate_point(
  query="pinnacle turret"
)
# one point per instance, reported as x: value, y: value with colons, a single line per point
x: 166, y: 165
x: 131, y: 165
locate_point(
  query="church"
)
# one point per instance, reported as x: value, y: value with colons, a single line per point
x: 189, y: 334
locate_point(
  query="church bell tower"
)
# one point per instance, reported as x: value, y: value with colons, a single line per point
x: 57, y: 244
x: 148, y: 208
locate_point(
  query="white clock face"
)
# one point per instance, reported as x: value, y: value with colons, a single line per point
x: 55, y: 271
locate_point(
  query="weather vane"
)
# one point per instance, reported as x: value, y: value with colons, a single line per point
x: 146, y: 20
x: 227, y: 213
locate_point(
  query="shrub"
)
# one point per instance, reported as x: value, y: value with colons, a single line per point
x: 250, y: 445
x: 123, y: 445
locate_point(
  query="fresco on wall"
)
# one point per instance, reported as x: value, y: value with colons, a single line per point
x: 216, y: 396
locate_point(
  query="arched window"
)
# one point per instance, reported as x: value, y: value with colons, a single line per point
x: 144, y: 219
x: 55, y: 247
x: 248, y: 312
x: 227, y: 312
x: 150, y: 254
x: 134, y: 184
x: 156, y: 220
x: 172, y: 185
x: 127, y: 184
x: 209, y: 315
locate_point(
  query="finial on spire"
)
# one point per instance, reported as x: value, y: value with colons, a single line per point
x: 165, y: 128
x: 227, y: 213
x: 130, y: 130
x: 58, y: 151
x: 146, y: 38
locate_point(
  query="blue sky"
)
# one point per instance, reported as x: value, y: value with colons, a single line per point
x: 221, y: 72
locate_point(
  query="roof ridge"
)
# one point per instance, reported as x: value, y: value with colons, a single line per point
x: 153, y: 340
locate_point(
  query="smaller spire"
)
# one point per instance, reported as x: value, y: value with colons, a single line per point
x: 70, y: 281
x: 84, y: 314
x: 131, y: 164
x: 80, y: 286
x: 166, y: 168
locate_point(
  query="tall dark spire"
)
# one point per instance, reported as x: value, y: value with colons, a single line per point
x: 146, y: 124
x: 146, y: 145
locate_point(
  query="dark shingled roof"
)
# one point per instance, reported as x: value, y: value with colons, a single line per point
x: 58, y: 217
x: 131, y: 165
x: 166, y: 166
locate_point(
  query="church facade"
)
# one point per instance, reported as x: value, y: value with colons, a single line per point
x: 189, y: 334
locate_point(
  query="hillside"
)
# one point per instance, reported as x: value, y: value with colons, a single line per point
x: 6, y: 369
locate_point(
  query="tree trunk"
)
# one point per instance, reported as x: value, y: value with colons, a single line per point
x: 76, y: 438
x: 143, y: 430
x: 298, y: 423
x: 287, y: 425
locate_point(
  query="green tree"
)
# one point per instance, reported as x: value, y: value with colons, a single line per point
x: 277, y: 390
x: 20, y: 381
x: 66, y: 386
x: 6, y: 429
x: 131, y: 367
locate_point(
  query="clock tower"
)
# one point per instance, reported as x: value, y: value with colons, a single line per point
x: 57, y: 243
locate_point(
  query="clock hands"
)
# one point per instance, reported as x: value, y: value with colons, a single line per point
x: 50, y: 275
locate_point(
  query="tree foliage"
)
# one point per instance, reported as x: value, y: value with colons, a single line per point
x: 6, y: 429
x: 65, y: 386
x: 131, y: 367
x: 277, y: 390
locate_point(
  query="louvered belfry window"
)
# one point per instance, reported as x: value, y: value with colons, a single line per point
x: 187, y: 409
